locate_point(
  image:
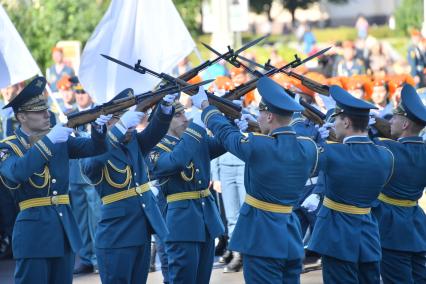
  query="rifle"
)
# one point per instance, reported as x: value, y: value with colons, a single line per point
x: 144, y: 101
x: 243, y: 89
x: 230, y: 109
x: 194, y: 72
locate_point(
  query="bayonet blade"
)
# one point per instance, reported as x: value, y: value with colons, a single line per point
x: 118, y: 61
x: 317, y: 54
x: 252, y: 62
x: 250, y: 44
x: 212, y: 49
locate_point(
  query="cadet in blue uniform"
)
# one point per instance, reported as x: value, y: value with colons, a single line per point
x: 46, y: 236
x: 402, y: 222
x: 129, y: 211
x: 346, y: 233
x: 278, y: 164
x: 181, y: 162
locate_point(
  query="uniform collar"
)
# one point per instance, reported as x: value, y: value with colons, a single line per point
x: 411, y: 139
x: 360, y: 139
x: 283, y: 130
x: 22, y: 137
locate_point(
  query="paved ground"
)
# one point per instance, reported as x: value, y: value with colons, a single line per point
x: 313, y: 277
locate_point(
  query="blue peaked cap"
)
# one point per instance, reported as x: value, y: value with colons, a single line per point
x: 412, y: 104
x: 276, y: 98
x: 348, y: 104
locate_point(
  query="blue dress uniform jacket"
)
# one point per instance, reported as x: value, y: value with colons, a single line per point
x: 277, y: 167
x: 127, y: 222
x: 42, y: 170
x: 355, y: 173
x: 404, y: 228
x: 183, y: 166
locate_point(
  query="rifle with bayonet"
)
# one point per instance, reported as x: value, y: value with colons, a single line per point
x: 144, y: 101
x: 230, y: 109
x: 382, y: 125
x: 243, y: 89
x: 194, y: 72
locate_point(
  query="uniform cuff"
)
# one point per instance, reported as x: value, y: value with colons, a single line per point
x: 195, y: 131
x: 44, y: 145
x: 208, y: 112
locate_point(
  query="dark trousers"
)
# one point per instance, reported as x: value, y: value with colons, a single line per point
x: 190, y: 262
x: 271, y: 270
x: 124, y: 265
x: 338, y: 271
x: 50, y: 270
x: 403, y: 267
x: 161, y: 250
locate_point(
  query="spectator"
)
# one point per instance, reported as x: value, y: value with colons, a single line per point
x: 362, y: 27
x: 348, y: 65
x: 416, y: 58
x: 55, y: 72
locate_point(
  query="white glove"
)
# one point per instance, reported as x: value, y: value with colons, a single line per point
x: 198, y: 99
x: 131, y: 118
x: 324, y: 130
x: 59, y: 133
x: 166, y: 105
x: 238, y: 102
x: 311, y: 202
x: 103, y: 119
x: 371, y: 120
x: 248, y: 117
x: 242, y: 123
x: 197, y: 119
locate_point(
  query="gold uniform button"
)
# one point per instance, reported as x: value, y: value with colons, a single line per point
x: 60, y: 214
x: 55, y: 192
x: 197, y: 170
x: 137, y: 184
x: 53, y: 180
x: 143, y: 205
x: 199, y: 182
x: 202, y: 203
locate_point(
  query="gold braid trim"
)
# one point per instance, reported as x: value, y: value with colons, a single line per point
x: 45, y: 174
x: 184, y: 176
x: 114, y: 184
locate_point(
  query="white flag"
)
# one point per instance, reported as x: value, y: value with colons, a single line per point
x: 149, y: 30
x: 16, y: 62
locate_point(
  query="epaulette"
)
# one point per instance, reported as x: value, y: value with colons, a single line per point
x: 384, y: 139
x: 163, y: 147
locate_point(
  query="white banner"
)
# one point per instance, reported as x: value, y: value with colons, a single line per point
x: 150, y: 30
x: 16, y: 62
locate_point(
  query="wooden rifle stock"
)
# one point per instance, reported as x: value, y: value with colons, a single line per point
x: 316, y: 116
x: 231, y: 110
x: 309, y: 83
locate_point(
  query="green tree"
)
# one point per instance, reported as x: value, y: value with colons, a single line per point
x: 190, y: 11
x: 42, y: 23
x: 409, y: 15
